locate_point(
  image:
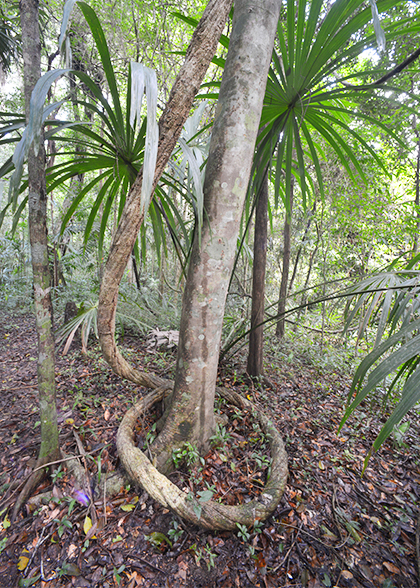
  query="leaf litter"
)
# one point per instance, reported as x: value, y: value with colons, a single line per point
x: 332, y: 527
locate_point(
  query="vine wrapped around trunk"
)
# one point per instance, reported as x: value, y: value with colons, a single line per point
x: 214, y: 516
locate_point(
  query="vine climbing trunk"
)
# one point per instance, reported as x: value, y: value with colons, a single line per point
x: 238, y: 112
x: 37, y: 203
x: 199, y: 55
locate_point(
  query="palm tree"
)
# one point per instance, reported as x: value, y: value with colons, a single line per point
x: 389, y: 303
x: 309, y: 102
x: 9, y: 43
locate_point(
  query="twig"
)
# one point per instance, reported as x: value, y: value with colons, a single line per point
x: 337, y: 522
x: 316, y: 538
x: 288, y: 552
x: 89, y: 489
x: 147, y: 563
x: 40, y: 541
x: 42, y: 468
x: 22, y: 386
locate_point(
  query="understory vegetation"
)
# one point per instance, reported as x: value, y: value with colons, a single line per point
x: 233, y: 376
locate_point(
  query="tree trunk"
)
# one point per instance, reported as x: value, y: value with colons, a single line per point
x: 191, y: 417
x: 256, y: 336
x: 199, y: 55
x: 37, y: 200
x: 299, y: 251
x: 417, y: 197
x: 285, y: 270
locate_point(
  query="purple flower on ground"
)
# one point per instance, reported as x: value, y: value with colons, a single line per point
x: 82, y: 497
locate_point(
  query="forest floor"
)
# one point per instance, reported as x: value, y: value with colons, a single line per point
x: 333, y: 527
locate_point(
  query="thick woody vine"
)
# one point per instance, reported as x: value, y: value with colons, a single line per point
x: 252, y: 19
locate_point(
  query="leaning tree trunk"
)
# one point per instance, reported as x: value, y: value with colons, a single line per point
x: 37, y: 201
x: 191, y: 417
x: 199, y: 55
x: 256, y: 336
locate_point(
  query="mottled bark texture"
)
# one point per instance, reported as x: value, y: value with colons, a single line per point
x: 213, y: 515
x: 191, y: 415
x: 232, y: 145
x: 256, y: 336
x: 37, y: 202
x: 199, y: 55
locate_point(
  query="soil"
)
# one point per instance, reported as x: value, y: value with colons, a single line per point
x: 333, y: 527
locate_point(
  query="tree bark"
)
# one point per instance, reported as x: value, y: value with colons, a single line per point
x: 235, y: 129
x: 199, y: 55
x: 285, y: 269
x: 37, y: 201
x: 256, y: 336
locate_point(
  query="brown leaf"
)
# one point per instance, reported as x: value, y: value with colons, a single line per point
x: 390, y: 567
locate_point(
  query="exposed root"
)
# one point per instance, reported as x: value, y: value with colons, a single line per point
x: 33, y: 481
x: 212, y: 515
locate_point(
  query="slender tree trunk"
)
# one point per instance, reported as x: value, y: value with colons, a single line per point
x: 37, y: 200
x: 191, y: 417
x: 256, y: 337
x: 417, y: 197
x: 299, y: 252
x: 285, y: 269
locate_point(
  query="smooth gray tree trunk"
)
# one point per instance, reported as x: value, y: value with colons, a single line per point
x: 256, y: 336
x: 37, y: 203
x: 235, y: 129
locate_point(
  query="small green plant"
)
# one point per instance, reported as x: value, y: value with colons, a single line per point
x: 263, y: 461
x: 63, y: 524
x: 57, y: 475
x: 399, y: 432
x: 210, y: 559
x: 151, y: 436
x: 198, y: 553
x: 196, y: 506
x: 3, y: 543
x: 188, y: 454
x: 243, y: 532
x: 220, y: 437
x: 205, y: 553
x: 206, y: 495
x: 117, y: 574
x: 175, y: 532
x: 158, y: 539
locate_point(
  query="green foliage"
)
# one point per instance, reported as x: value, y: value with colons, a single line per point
x: 176, y: 531
x: 307, y: 101
x: 10, y: 41
x: 243, y: 532
x: 388, y: 302
x: 220, y: 437
x: 187, y: 454
x: 143, y: 310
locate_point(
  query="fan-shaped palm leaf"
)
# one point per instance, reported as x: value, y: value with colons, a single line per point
x: 305, y: 98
